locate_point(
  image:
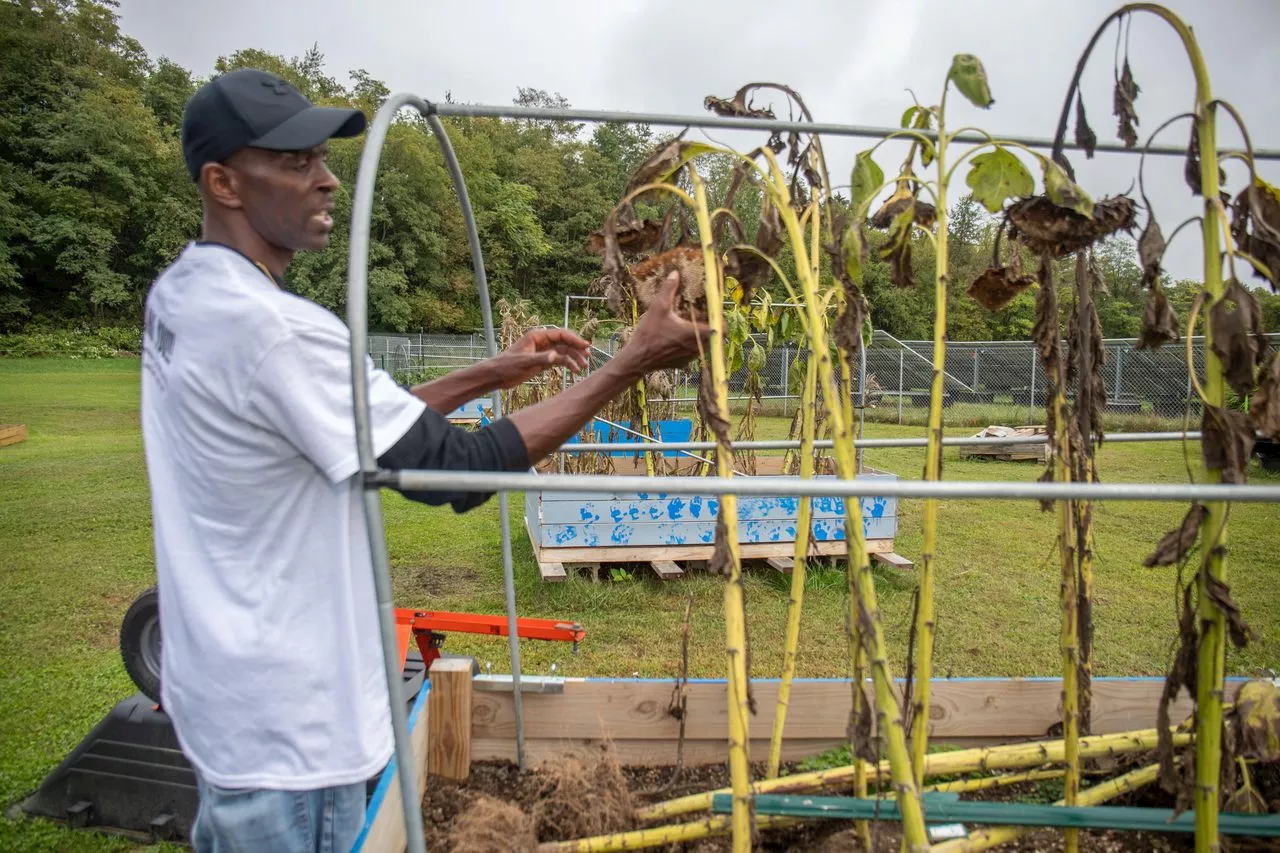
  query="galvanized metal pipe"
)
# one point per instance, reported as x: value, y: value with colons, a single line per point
x: 358, y: 323
x: 734, y: 123
x: 491, y: 342
x: 792, y: 444
x: 475, y: 481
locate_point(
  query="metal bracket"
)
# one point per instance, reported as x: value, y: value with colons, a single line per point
x: 528, y: 683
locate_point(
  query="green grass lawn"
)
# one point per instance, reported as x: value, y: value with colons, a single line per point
x: 75, y: 547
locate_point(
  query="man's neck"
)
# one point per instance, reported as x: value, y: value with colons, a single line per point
x: 274, y: 259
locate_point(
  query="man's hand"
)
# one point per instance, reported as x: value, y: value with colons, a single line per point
x: 663, y: 339
x: 539, y: 350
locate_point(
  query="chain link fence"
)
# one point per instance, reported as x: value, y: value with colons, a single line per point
x: 986, y: 382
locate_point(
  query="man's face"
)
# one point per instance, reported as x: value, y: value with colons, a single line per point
x: 287, y: 196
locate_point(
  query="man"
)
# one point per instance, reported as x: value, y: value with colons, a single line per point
x: 272, y: 667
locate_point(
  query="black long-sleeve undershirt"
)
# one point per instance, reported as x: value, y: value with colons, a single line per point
x: 433, y: 443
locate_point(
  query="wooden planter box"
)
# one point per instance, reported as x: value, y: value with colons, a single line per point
x: 583, y: 715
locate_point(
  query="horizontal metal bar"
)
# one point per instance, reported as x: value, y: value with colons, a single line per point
x: 730, y: 123
x: 477, y: 481
x: 792, y: 444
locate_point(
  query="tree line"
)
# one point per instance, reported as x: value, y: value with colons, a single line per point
x: 95, y: 199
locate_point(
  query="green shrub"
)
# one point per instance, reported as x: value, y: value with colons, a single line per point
x: 101, y: 342
x: 418, y: 375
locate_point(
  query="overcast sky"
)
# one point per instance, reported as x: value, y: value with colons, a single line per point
x: 851, y: 60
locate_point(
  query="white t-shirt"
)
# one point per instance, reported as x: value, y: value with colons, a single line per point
x: 272, y: 666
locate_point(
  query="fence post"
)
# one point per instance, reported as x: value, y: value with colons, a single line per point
x: 1119, y: 359
x: 1031, y: 398
x: 901, y: 356
x: 786, y: 373
x: 862, y: 394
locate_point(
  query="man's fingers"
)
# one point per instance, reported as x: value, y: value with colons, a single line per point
x: 667, y: 294
x: 559, y: 336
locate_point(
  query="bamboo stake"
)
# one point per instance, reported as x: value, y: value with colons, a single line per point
x: 925, y: 624
x: 1006, y: 757
x: 734, y: 605
x: 1211, y: 662
x: 794, y: 604
x: 886, y: 705
x: 642, y: 398
x: 858, y: 657
x: 985, y: 839
x: 967, y: 786
x: 791, y: 640
x: 1083, y: 510
x: 1068, y: 598
x: 658, y: 836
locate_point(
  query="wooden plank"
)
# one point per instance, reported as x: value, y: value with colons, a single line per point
x: 666, y: 570
x: 651, y: 753
x: 553, y: 572
x: 449, y: 701
x: 635, y: 709
x: 894, y: 561
x: 782, y: 564
x: 750, y: 551
x: 12, y: 434
x: 386, y: 825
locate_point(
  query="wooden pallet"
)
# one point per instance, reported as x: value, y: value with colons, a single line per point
x: 649, y: 554
x: 12, y: 434
x: 1038, y: 452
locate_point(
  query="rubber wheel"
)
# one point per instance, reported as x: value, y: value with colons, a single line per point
x: 140, y: 643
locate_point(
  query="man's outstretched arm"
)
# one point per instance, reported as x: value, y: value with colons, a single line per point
x: 539, y: 350
x: 661, y: 340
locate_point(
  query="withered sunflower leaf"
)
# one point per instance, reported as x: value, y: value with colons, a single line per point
x: 1264, y: 405
x: 971, y: 79
x: 853, y: 250
x: 1175, y: 544
x: 1085, y: 137
x: 662, y: 165
x: 1126, y: 92
x: 1226, y: 442
x: 1151, y: 247
x: 999, y: 175
x: 867, y: 178
x: 1236, y: 323
x: 1159, y: 323
x: 897, y: 249
x: 1257, y: 719
x: 1064, y: 192
x: 642, y: 235
x: 996, y: 287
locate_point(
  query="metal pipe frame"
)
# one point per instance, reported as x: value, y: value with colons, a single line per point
x: 357, y: 320
x: 358, y: 323
x: 820, y: 127
x: 822, y: 443
x: 473, y: 481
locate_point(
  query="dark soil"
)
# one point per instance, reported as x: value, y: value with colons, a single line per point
x: 445, y: 802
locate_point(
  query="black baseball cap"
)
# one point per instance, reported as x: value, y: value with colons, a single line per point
x: 252, y: 108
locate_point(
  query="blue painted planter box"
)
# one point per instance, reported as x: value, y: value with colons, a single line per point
x: 474, y: 410
x: 563, y: 520
x: 675, y: 430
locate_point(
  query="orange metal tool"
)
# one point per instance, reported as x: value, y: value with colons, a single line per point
x: 429, y: 627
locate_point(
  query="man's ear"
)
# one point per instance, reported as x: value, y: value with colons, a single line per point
x: 220, y: 184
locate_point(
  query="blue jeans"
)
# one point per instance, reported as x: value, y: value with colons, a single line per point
x: 251, y: 820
